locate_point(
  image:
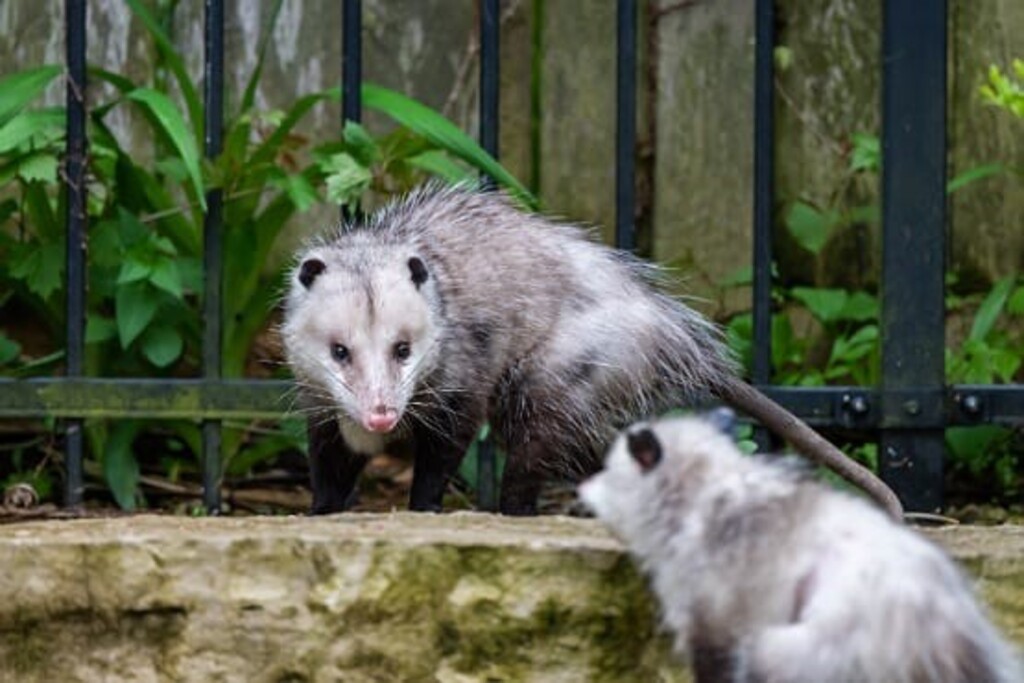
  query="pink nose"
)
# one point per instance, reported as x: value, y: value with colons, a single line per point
x: 381, y: 420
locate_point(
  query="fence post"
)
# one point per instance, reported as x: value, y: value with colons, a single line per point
x: 74, y: 181
x: 625, y: 130
x: 764, y: 197
x: 913, y: 268
x: 213, y: 124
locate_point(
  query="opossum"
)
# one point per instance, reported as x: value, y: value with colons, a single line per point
x: 765, y: 575
x: 451, y: 306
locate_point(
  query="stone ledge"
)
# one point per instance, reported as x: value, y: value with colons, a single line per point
x: 399, y: 597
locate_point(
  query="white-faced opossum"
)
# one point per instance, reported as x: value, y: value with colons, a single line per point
x: 765, y: 575
x: 451, y: 307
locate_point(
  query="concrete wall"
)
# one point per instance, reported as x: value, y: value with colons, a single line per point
x: 457, y: 598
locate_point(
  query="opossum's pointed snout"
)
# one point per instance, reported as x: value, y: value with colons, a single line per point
x: 381, y: 421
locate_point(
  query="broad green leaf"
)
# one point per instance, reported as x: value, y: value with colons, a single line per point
x: 20, y: 88
x: 39, y: 208
x: 826, y: 305
x: 27, y: 125
x: 162, y: 345
x: 346, y: 178
x: 40, y: 266
x: 175, y: 63
x: 133, y: 271
x: 9, y: 349
x: 860, y: 306
x: 120, y: 468
x: 165, y: 276
x: 99, y: 329
x: 135, y: 305
x: 990, y: 309
x: 439, y: 130
x: 169, y: 118
x: 810, y: 227
x: 41, y: 166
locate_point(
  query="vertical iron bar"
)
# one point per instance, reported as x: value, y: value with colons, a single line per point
x: 913, y: 219
x: 351, y: 74
x: 625, y: 131
x: 764, y: 197
x: 213, y: 94
x: 489, y: 95
x: 74, y: 169
x: 489, y: 46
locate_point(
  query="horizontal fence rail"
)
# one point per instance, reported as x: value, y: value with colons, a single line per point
x: 909, y: 411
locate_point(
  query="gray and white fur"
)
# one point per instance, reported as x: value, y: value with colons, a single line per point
x: 451, y: 307
x: 765, y: 575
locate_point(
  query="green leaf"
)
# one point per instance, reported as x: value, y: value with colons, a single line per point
x: 20, y: 88
x: 175, y: 63
x: 783, y: 57
x: 120, y: 468
x: 40, y: 267
x: 41, y: 166
x: 299, y: 190
x: 133, y: 271
x: 971, y: 443
x: 809, y: 227
x: 974, y: 174
x: 360, y: 143
x: 439, y: 130
x: 249, y: 95
x: 9, y: 349
x: 135, y: 305
x: 866, y: 154
x: 27, y: 125
x: 162, y: 345
x: 346, y: 178
x: 165, y: 276
x: 99, y: 329
x: 860, y: 306
x: 169, y: 118
x: 826, y: 305
x: 990, y: 309
x: 1015, y: 304
x: 441, y: 165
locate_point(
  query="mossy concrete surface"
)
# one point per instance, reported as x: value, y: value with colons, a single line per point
x: 400, y: 597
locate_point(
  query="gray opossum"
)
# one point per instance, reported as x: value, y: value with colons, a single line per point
x: 764, y: 575
x: 451, y: 307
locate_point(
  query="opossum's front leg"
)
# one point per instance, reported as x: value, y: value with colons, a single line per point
x: 333, y: 467
x: 437, y: 459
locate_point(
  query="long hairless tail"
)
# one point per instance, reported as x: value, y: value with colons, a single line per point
x: 808, y: 442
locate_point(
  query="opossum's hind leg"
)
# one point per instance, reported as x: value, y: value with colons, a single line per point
x: 333, y: 467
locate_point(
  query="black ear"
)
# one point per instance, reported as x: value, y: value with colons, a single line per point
x: 418, y: 270
x: 309, y: 270
x: 723, y: 419
x: 644, y: 447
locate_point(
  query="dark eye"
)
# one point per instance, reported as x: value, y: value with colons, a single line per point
x: 402, y: 350
x: 339, y: 352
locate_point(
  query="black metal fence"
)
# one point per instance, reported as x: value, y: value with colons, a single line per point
x: 909, y: 410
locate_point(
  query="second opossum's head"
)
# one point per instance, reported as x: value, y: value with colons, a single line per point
x: 656, y: 463
x: 362, y: 332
